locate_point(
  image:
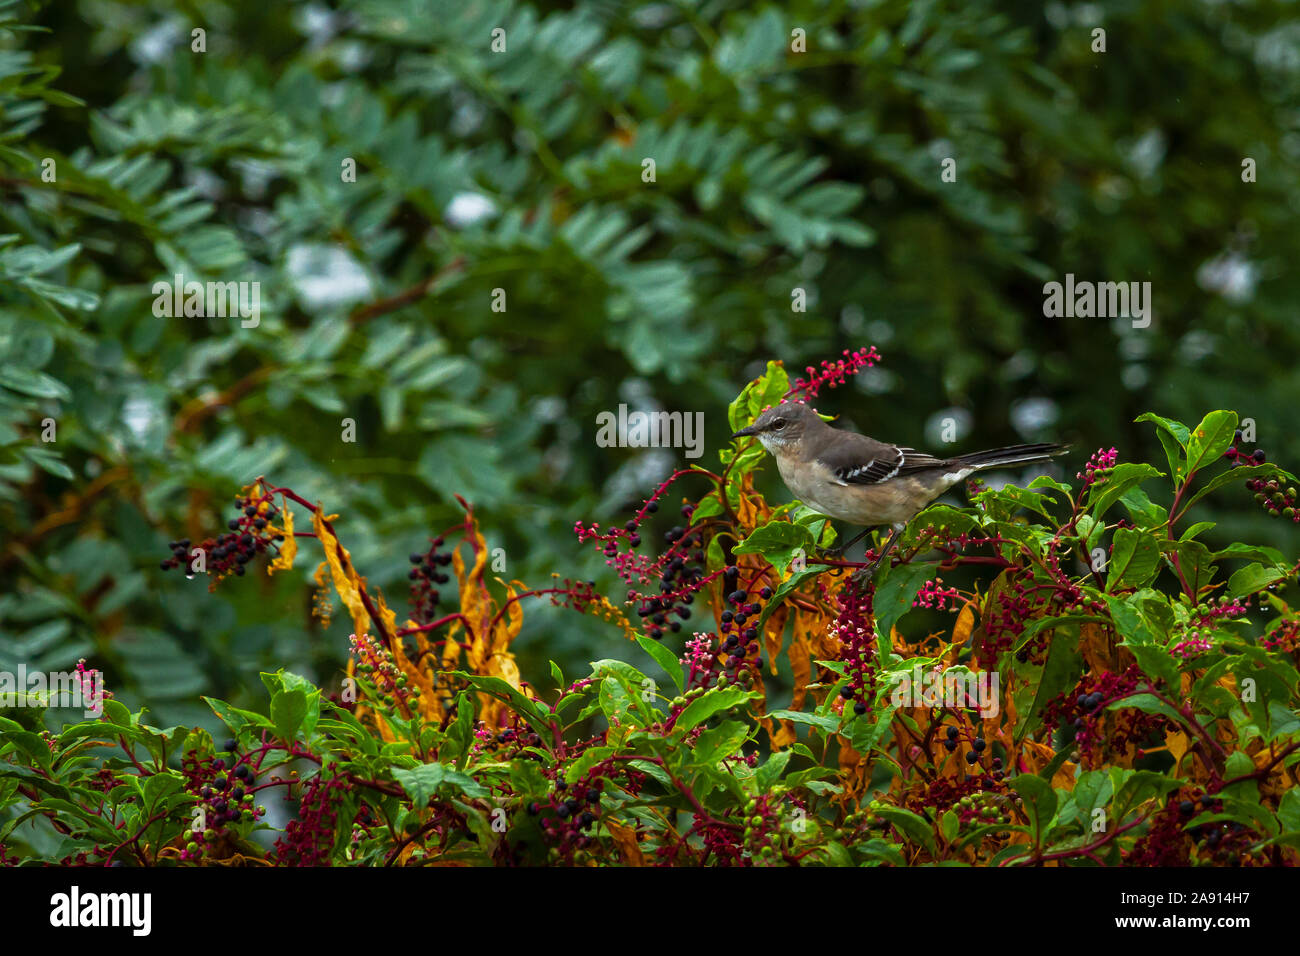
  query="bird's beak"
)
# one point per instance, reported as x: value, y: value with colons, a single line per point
x: 751, y: 430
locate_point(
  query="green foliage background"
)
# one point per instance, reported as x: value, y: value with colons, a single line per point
x: 774, y: 171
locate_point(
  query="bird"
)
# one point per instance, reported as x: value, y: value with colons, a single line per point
x: 856, y: 479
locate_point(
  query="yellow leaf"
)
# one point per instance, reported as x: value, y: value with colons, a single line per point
x: 322, y: 607
x: 965, y: 624
x: 625, y: 840
x: 342, y: 574
x: 288, y: 545
x: 1177, y: 744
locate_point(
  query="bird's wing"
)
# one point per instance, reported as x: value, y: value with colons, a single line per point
x: 858, y: 460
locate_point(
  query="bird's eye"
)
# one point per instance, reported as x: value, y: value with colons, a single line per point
x: 779, y: 423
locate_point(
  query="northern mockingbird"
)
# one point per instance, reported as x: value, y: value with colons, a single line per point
x: 856, y: 479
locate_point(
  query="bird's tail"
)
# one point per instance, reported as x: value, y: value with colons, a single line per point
x: 1011, y: 455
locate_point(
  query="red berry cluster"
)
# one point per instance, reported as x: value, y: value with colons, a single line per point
x: 92, y: 686
x: 720, y: 846
x: 1084, y: 710
x: 953, y: 738
x: 1238, y: 457
x: 679, y: 571
x: 248, y: 535
x: 1165, y: 843
x: 934, y: 595
x: 833, y: 373
x: 509, y: 741
x: 680, y: 579
x: 984, y: 807
x: 1285, y: 637
x: 1024, y: 598
x: 223, y: 788
x: 425, y: 578
x: 1099, y: 466
x: 1229, y: 843
x: 568, y: 814
x: 309, y: 839
x: 1278, y: 501
x: 740, y: 638
x: 375, y: 664
x: 1194, y: 637
x: 855, y: 630
x: 701, y: 660
x: 762, y: 833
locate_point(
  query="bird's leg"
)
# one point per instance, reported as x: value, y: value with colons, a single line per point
x: 836, y: 552
x: 862, y: 574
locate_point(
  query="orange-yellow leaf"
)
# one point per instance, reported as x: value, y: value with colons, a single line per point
x: 342, y: 574
x: 288, y: 545
x: 625, y: 840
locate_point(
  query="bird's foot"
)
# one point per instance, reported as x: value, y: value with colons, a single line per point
x: 862, y: 575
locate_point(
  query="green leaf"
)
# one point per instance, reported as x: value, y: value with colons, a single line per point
x: 1126, y: 613
x: 1252, y: 578
x: 916, y: 827
x: 1248, y: 552
x: 771, y: 771
x: 1134, y: 560
x: 590, y: 757
x: 31, y: 382
x: 423, y: 782
x: 1197, y: 529
x: 1149, y: 704
x: 780, y: 542
x: 520, y: 704
x: 949, y: 825
x: 1156, y: 662
x: 757, y: 395
x: 1195, y: 562
x: 1142, y: 785
x: 1288, y: 811
x: 1176, y: 429
x: 1060, y: 671
x: 1210, y: 439
x: 722, y: 741
x: 288, y: 709
x: 1040, y: 802
x: 708, y: 704
x: 821, y: 721
x: 1144, y: 512
x: 615, y: 699
x: 1173, y: 438
x: 934, y: 518
x: 1124, y: 477
x: 664, y: 658
x: 883, y: 850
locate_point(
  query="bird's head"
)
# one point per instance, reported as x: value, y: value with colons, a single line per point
x: 782, y: 426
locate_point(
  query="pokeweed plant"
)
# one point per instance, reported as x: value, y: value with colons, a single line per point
x: 1109, y: 690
